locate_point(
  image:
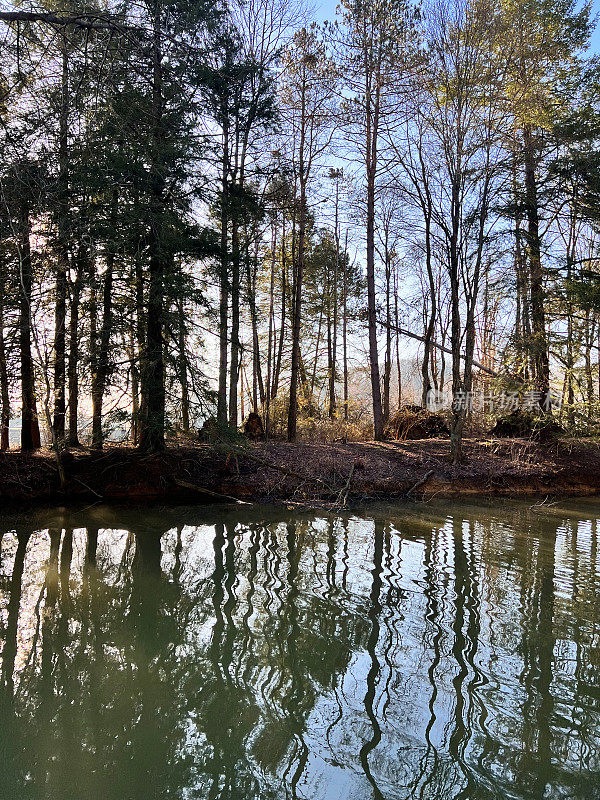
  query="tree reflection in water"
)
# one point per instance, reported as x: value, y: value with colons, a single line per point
x: 419, y: 652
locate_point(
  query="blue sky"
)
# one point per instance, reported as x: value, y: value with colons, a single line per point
x: 325, y: 9
x: 596, y: 34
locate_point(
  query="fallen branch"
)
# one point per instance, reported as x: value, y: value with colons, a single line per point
x: 343, y: 495
x: 289, y: 472
x: 208, y: 493
x: 89, y: 488
x: 443, y: 348
x: 420, y: 482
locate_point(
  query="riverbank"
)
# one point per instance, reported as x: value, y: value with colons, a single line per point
x: 306, y: 472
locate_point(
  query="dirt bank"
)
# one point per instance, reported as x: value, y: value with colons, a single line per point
x: 309, y: 472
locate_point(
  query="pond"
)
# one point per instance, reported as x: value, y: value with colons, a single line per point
x: 429, y: 651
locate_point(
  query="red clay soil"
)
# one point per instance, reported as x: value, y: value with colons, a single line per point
x: 309, y: 472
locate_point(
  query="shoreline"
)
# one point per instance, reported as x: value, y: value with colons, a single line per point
x: 326, y: 474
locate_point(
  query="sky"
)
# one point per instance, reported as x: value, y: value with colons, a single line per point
x: 595, y: 44
x: 325, y: 9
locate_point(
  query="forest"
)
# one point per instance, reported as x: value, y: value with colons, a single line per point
x: 210, y: 209
x: 299, y: 399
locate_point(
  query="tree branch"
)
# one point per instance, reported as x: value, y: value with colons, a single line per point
x: 87, y: 21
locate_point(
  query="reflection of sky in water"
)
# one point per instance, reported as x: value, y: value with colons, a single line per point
x: 425, y: 652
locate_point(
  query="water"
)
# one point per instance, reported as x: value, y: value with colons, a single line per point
x: 422, y: 651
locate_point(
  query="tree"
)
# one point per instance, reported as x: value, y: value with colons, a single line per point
x: 375, y: 51
x: 166, y: 141
x: 545, y: 39
x: 307, y: 95
x: 465, y: 125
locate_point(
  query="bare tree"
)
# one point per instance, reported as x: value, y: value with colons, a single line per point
x: 374, y: 53
x: 465, y: 124
x: 307, y: 95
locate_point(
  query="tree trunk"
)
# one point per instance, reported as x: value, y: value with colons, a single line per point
x: 93, y: 311
x: 372, y: 120
x: 570, y: 360
x: 100, y: 373
x: 235, y: 325
x: 74, y: 334
x: 458, y: 411
x: 465, y: 385
x: 598, y: 363
x: 152, y: 433
x: 298, y: 280
x: 522, y: 307
x: 333, y: 365
x: 297, y: 318
x: 30, y: 429
x: 270, y: 351
x: 345, y: 331
x: 318, y: 345
x: 152, y: 422
x: 397, y: 318
x: 140, y: 344
x: 62, y: 266
x: 258, y: 386
x: 387, y: 361
x: 224, y: 275
x: 135, y: 391
x: 429, y: 331
x: 183, y: 371
x: 538, y: 342
x: 589, y: 335
x: 73, y: 378
x: 277, y: 366
x: 4, y: 389
x: 59, y: 354
x: 330, y: 367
